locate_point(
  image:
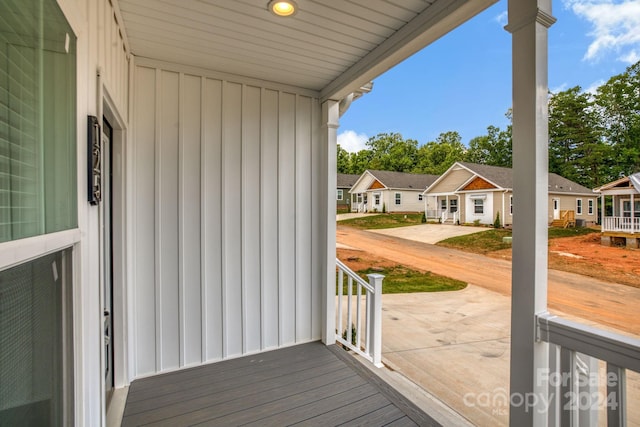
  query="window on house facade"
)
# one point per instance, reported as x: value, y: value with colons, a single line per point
x: 419, y: 197
x: 590, y: 207
x: 453, y: 205
x: 478, y: 206
x: 339, y: 194
x: 37, y: 120
x: 398, y: 198
x: 443, y: 204
x: 376, y: 199
x: 510, y: 205
x: 578, y: 206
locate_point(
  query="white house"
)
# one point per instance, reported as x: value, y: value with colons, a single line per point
x: 469, y: 192
x: 168, y: 186
x: 623, y: 224
x: 389, y: 191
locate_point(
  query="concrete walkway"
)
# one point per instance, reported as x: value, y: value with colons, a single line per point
x: 430, y: 233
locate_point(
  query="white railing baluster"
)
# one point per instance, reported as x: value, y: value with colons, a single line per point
x: 581, y: 346
x: 372, y: 291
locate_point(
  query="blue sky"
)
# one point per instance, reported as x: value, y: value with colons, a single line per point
x: 462, y: 82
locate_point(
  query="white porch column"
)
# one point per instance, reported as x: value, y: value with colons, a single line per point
x: 529, y: 21
x: 602, y: 211
x: 330, y: 123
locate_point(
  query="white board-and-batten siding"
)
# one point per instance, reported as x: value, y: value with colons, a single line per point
x: 225, y: 219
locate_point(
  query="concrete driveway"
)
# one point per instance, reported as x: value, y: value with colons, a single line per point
x: 430, y: 233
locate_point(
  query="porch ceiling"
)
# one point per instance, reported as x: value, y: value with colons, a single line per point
x: 330, y: 46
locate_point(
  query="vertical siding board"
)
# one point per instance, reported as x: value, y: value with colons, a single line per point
x: 287, y: 217
x: 231, y: 218
x: 269, y: 218
x: 168, y: 221
x: 303, y: 219
x: 144, y: 272
x: 190, y: 221
x: 316, y: 229
x: 212, y: 204
x: 250, y: 218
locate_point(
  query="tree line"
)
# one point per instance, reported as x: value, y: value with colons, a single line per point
x: 594, y: 138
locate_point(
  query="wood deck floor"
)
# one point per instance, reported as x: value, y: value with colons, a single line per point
x: 308, y: 384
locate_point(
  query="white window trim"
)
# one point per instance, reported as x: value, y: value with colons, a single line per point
x: 340, y: 194
x: 590, y: 207
x: 419, y: 197
x: 510, y: 205
x: 578, y: 206
x: 398, y: 200
x: 16, y: 252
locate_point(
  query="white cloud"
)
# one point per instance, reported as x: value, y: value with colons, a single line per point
x: 352, y: 141
x: 592, y: 89
x: 559, y: 88
x: 503, y: 18
x: 615, y: 27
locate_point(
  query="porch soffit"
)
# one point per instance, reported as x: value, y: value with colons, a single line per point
x: 333, y: 47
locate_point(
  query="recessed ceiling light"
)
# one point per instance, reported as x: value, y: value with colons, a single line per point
x: 283, y: 7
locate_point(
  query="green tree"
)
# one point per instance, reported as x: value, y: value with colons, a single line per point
x: 618, y: 102
x: 344, y: 160
x: 577, y: 150
x: 389, y: 151
x: 435, y: 157
x: 494, y: 149
x: 359, y: 162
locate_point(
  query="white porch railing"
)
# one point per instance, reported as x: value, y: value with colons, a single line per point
x: 575, y: 394
x: 621, y: 224
x: 349, y: 323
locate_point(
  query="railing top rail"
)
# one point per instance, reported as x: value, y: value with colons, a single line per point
x: 354, y: 276
x: 620, y: 350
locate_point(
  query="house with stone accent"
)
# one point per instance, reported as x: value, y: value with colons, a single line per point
x: 620, y: 211
x: 388, y: 191
x: 474, y: 193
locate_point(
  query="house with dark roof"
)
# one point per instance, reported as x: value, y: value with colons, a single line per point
x: 344, y: 182
x: 378, y: 191
x: 469, y: 192
x: 622, y: 223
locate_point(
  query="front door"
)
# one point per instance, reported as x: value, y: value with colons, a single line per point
x: 107, y: 251
x: 556, y: 208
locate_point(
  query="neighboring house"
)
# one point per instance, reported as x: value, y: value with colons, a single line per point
x: 469, y: 192
x: 620, y: 206
x: 378, y: 191
x: 168, y: 183
x: 344, y: 183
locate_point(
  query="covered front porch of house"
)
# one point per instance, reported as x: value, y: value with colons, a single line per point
x: 620, y: 212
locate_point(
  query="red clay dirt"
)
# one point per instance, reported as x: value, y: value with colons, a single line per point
x: 585, y: 255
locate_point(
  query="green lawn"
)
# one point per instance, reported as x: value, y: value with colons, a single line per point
x: 378, y: 221
x: 400, y: 279
x: 484, y: 242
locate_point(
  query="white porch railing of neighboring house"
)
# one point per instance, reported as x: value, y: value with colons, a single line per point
x: 361, y: 300
x: 621, y: 224
x: 576, y: 390
x: 455, y: 217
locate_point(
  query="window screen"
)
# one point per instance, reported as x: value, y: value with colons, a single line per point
x: 37, y: 120
x: 35, y: 342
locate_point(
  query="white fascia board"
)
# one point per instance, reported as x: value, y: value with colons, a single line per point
x: 617, y: 192
x: 433, y: 23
